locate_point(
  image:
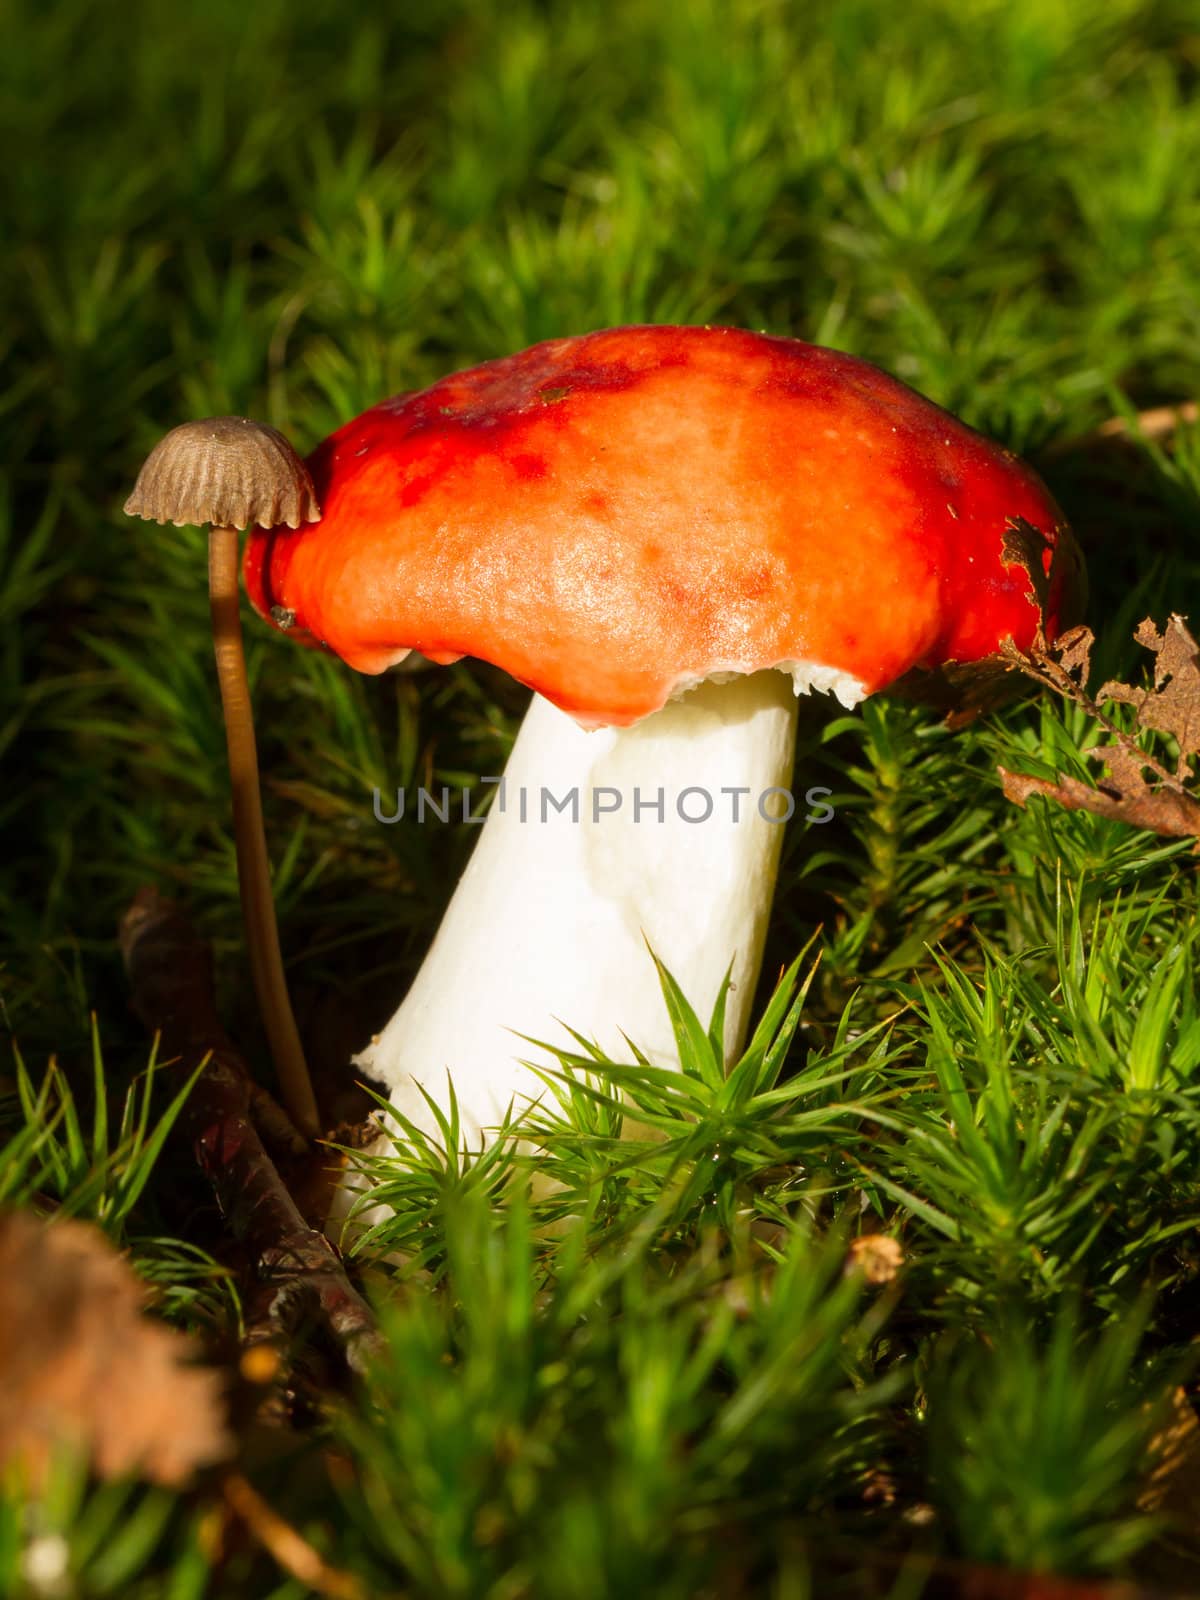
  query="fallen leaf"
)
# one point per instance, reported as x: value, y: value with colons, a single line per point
x: 1173, y: 705
x: 82, y: 1365
x: 1174, y: 816
x: 1136, y: 789
x: 1073, y: 653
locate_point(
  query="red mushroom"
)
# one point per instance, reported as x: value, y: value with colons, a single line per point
x: 667, y: 533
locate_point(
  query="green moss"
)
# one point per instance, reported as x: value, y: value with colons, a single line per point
x: 291, y: 210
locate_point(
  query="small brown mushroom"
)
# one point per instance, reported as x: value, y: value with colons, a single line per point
x: 233, y: 473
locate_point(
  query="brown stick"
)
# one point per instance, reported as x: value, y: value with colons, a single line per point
x: 289, y: 1548
x: 254, y: 872
x: 297, y: 1269
x: 1159, y: 422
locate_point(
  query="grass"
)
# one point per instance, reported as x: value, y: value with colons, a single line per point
x: 995, y: 1059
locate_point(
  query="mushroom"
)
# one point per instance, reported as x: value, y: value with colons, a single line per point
x: 233, y: 473
x: 668, y: 533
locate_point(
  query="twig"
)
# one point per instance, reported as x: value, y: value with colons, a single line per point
x: 1159, y: 422
x: 1174, y: 816
x: 1043, y: 669
x: 297, y: 1269
x: 289, y: 1548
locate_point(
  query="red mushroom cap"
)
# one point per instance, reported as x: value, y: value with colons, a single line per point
x: 610, y: 516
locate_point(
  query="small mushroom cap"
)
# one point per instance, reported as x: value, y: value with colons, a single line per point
x: 229, y: 471
x: 614, y: 517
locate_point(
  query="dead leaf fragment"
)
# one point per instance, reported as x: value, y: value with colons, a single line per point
x: 1136, y: 789
x: 1073, y: 653
x: 82, y: 1365
x: 1174, y: 816
x: 1173, y: 705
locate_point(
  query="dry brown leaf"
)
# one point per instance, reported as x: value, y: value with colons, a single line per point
x: 1073, y: 653
x: 82, y: 1365
x: 1173, y: 705
x: 1136, y: 788
x: 1174, y: 816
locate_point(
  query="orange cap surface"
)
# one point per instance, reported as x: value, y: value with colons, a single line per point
x: 608, y: 516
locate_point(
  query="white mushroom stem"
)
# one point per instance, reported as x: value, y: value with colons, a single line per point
x: 668, y: 837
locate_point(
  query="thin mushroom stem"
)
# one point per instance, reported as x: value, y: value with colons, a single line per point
x: 254, y: 873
